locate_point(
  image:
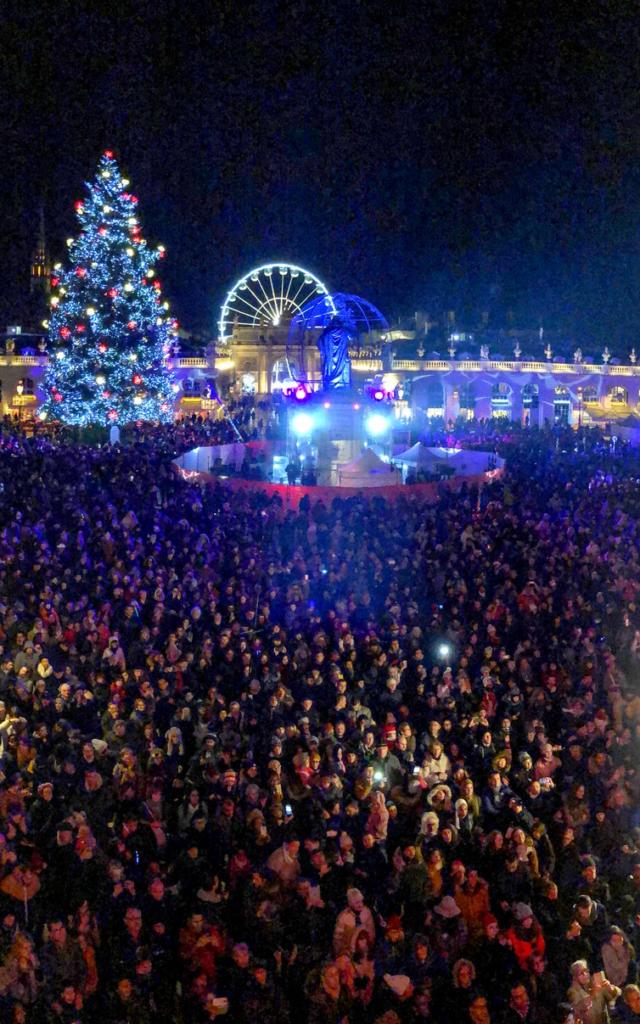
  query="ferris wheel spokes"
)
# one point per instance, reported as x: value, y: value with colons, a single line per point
x: 257, y: 300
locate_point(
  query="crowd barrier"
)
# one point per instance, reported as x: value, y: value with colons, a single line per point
x: 292, y: 494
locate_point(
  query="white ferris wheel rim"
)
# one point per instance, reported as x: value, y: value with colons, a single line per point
x: 268, y: 305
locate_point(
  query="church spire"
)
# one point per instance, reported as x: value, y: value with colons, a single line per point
x: 40, y: 269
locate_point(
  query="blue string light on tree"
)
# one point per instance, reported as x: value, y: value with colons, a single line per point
x: 108, y: 315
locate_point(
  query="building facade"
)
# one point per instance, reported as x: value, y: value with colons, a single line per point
x: 531, y: 392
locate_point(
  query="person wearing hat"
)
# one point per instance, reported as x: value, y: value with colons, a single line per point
x: 44, y: 813
x: 60, y: 857
x: 386, y: 766
x: 591, y: 885
x: 493, y: 957
x: 353, y: 919
x: 439, y: 798
x: 394, y: 997
x: 450, y: 934
x: 391, y: 952
x: 525, y: 935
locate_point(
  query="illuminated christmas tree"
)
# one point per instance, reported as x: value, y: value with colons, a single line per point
x: 109, y: 329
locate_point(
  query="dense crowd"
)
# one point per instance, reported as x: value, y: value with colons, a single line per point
x: 350, y: 763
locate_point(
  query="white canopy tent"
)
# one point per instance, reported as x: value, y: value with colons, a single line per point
x: 201, y: 460
x: 463, y: 461
x: 417, y: 457
x: 368, y: 470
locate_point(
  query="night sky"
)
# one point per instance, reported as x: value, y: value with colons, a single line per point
x: 468, y: 156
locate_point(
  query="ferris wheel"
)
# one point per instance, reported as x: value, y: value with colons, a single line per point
x: 268, y: 297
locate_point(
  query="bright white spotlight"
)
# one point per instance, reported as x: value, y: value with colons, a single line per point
x: 377, y: 425
x: 302, y: 424
x: 444, y: 650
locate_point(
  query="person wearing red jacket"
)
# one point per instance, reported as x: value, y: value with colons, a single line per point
x: 525, y: 935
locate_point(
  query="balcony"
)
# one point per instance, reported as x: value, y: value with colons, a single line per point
x: 222, y: 363
x: 512, y: 366
x: 16, y: 359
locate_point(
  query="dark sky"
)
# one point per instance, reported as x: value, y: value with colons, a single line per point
x: 459, y: 155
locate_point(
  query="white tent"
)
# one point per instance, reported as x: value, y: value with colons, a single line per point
x: 464, y: 462
x: 418, y: 457
x: 628, y: 428
x: 367, y: 470
x: 202, y: 459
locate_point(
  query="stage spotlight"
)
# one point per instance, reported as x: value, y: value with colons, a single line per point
x: 302, y: 424
x: 301, y: 393
x: 444, y: 650
x: 377, y: 425
x: 378, y: 395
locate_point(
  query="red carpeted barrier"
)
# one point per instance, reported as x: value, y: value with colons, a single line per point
x: 291, y: 495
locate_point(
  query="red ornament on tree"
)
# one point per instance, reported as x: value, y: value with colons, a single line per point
x: 106, y: 394
x: 137, y: 379
x: 80, y: 328
x: 102, y: 231
x: 78, y: 206
x: 134, y: 199
x: 113, y: 415
x: 132, y: 325
x: 57, y: 397
x: 55, y: 281
x: 64, y: 332
x: 81, y: 271
x: 108, y: 154
x: 157, y: 285
x: 112, y: 293
x: 102, y: 347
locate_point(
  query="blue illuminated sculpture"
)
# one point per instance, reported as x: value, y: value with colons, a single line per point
x: 341, y: 319
x: 335, y: 365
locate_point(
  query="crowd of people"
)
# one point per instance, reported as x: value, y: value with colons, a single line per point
x: 359, y: 762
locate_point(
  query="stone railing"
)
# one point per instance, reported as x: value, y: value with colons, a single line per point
x: 513, y: 366
x: 197, y: 362
x: 16, y: 359
x: 200, y: 363
x: 366, y: 365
